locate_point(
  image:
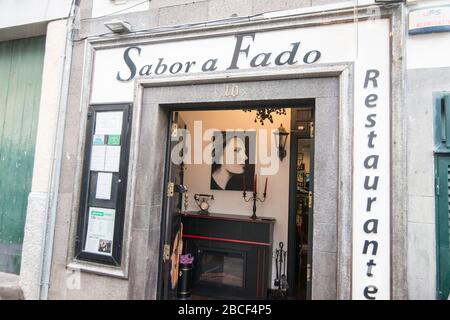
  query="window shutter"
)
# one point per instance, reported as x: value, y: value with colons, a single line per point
x: 442, y: 139
x: 442, y: 124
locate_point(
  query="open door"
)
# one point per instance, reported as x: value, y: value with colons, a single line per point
x: 173, y: 228
x: 301, y: 203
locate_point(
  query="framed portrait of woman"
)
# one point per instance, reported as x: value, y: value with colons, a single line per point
x: 233, y: 160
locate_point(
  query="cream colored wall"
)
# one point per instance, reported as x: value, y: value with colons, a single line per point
x: 429, y: 50
x: 101, y: 8
x: 197, y: 176
x: 32, y: 249
x: 15, y: 13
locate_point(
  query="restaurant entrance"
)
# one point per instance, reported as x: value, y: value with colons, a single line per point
x: 232, y: 252
x: 210, y: 217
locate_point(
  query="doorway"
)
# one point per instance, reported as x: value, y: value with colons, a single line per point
x: 235, y: 262
x: 301, y: 193
x: 151, y: 122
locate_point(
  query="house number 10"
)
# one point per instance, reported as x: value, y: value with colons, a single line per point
x: 231, y: 90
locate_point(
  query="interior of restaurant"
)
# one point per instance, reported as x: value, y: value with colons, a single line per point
x: 245, y: 209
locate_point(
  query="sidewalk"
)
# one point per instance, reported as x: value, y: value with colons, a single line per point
x: 9, y: 287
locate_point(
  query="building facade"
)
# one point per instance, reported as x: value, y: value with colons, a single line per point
x: 32, y: 41
x: 351, y: 194
x: 426, y: 87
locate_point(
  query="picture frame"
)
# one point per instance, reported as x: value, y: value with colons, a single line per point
x: 245, y: 141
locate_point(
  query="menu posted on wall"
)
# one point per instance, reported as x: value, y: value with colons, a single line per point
x: 105, y: 154
x: 101, y: 203
x: 109, y: 123
x: 98, y: 156
x: 112, y: 158
x: 104, y: 184
x: 105, y: 158
x: 100, y: 233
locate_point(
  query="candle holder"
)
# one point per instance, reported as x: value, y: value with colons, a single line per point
x: 254, y: 198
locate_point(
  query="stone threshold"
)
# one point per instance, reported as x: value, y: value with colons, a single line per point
x: 9, y: 287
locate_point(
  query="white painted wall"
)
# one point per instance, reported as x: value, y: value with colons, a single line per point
x: 16, y: 13
x: 428, y: 50
x: 107, y: 7
x: 32, y: 249
x: 427, y: 55
x: 197, y: 176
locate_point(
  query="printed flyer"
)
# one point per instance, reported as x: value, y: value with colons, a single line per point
x: 100, y: 232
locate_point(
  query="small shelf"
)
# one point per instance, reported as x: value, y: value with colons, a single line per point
x: 228, y: 217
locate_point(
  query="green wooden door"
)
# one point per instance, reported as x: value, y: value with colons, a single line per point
x: 21, y: 63
x: 443, y: 225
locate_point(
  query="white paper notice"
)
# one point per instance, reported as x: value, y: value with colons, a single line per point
x: 100, y: 231
x: 109, y: 122
x: 104, y: 184
x: 112, y: 158
x: 98, y: 158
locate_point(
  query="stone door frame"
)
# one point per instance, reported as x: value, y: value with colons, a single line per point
x: 160, y: 94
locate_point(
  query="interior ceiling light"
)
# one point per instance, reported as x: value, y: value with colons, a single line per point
x: 118, y: 26
x: 266, y: 113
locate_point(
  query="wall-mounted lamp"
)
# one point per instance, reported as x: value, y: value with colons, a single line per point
x: 118, y: 26
x: 280, y: 139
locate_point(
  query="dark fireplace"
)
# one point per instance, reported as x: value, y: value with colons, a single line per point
x: 221, y: 268
x: 232, y: 255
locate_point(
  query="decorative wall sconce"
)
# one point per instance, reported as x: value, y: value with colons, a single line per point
x: 280, y: 139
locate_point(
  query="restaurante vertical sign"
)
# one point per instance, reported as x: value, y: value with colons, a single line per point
x: 371, y: 220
